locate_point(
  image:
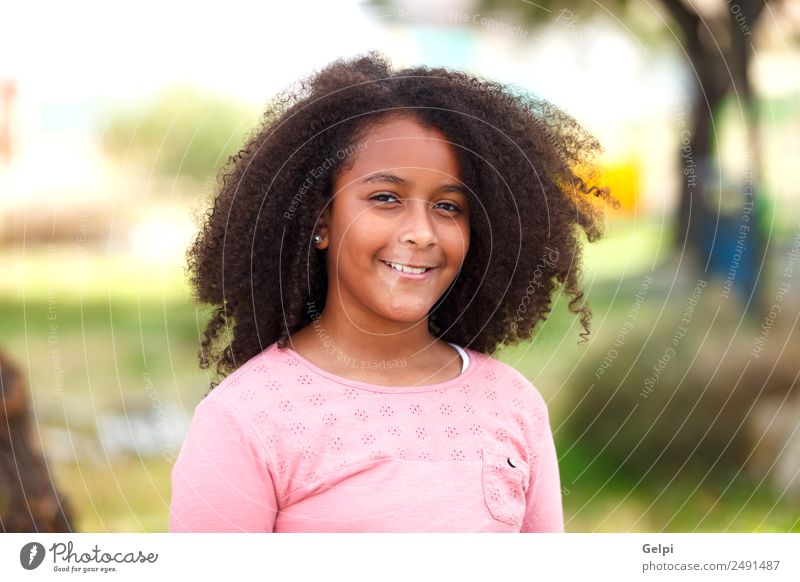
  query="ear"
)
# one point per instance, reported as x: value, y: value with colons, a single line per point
x: 323, y: 230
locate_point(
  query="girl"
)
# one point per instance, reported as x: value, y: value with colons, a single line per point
x: 371, y: 245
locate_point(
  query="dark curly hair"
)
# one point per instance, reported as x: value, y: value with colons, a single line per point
x: 527, y: 164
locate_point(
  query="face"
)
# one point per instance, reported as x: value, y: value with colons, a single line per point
x: 398, y: 207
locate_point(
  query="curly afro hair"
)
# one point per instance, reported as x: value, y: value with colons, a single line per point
x: 527, y: 164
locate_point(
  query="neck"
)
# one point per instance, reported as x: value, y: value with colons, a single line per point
x: 356, y: 336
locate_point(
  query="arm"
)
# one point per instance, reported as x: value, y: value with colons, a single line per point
x: 221, y: 481
x: 544, y: 511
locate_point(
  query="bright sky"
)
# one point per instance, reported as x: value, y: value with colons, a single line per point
x: 100, y: 49
x: 97, y: 48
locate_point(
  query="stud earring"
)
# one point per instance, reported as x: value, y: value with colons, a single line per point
x: 317, y: 238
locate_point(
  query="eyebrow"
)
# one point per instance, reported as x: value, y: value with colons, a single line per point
x: 393, y: 179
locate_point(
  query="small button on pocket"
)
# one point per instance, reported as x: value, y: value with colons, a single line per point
x: 505, y: 481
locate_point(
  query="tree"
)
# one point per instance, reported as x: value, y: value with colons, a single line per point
x: 182, y: 131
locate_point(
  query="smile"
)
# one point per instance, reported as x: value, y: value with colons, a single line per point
x: 409, y: 272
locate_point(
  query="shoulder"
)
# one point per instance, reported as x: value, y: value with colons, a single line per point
x: 254, y: 380
x: 518, y: 388
x: 241, y: 406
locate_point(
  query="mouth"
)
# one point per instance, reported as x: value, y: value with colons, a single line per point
x: 409, y: 271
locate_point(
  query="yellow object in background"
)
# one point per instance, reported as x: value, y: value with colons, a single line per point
x: 622, y: 178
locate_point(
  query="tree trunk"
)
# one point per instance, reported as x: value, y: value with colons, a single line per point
x: 702, y: 231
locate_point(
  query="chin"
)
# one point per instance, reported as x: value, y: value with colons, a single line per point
x: 408, y: 314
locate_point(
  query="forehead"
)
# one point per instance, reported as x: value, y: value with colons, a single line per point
x: 401, y: 143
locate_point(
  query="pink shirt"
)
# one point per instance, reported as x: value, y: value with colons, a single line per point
x: 281, y: 445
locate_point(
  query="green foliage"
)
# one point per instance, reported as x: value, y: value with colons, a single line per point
x: 676, y: 400
x: 180, y: 132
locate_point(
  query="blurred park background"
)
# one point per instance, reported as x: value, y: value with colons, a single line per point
x: 682, y: 411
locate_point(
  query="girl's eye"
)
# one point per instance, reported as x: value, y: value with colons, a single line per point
x: 383, y: 195
x: 453, y: 207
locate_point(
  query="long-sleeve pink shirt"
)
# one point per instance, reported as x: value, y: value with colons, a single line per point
x: 281, y: 445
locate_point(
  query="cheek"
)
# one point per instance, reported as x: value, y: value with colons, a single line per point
x: 359, y: 238
x: 455, y: 242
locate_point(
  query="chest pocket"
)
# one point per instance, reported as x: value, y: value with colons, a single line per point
x: 505, y: 481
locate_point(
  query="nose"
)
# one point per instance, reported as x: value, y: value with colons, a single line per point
x: 418, y: 227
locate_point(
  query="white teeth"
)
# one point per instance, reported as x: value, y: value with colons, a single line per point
x: 406, y: 269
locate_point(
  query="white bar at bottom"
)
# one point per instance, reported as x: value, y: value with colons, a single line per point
x: 233, y: 557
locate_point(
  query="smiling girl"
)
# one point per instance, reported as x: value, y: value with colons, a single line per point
x: 369, y: 248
